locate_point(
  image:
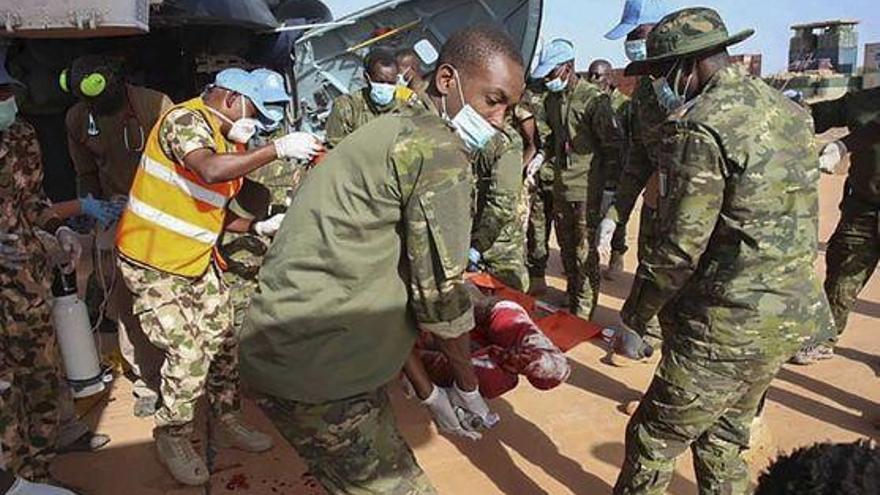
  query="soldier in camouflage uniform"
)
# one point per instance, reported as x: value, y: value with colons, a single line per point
x: 267, y: 191
x: 641, y: 122
x: 854, y: 249
x: 541, y: 216
x: 359, y: 267
x: 586, y: 140
x: 737, y: 237
x: 498, y: 237
x: 351, y: 111
x: 30, y: 367
x: 599, y: 73
x: 179, y: 296
x: 243, y: 252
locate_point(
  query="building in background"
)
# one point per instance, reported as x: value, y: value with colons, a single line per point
x: 872, y: 57
x: 829, y: 44
x: 753, y: 62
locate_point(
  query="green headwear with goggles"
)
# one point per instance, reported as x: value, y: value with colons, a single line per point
x: 684, y: 35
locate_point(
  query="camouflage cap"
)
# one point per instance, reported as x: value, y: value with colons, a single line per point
x: 686, y: 33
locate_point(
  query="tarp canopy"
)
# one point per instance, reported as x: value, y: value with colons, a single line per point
x: 265, y: 14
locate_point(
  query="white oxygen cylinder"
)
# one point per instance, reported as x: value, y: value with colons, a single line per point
x: 74, y: 331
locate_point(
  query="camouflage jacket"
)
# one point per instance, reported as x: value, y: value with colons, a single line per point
x: 737, y: 226
x: 641, y: 124
x: 24, y: 207
x: 855, y: 111
x: 352, y: 111
x: 620, y: 104
x: 498, y: 231
x: 372, y: 250
x: 585, y: 138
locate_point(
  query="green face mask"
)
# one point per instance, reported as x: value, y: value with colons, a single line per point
x: 8, y: 112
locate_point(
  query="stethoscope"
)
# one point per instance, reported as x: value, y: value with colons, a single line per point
x: 93, y: 131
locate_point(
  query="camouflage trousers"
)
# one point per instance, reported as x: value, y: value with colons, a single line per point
x: 506, y: 257
x: 852, y: 256
x: 190, y: 320
x: 538, y: 231
x: 697, y: 404
x: 143, y: 358
x: 618, y: 242
x: 507, y: 263
x: 244, y: 256
x: 30, y: 377
x: 352, y: 446
x: 580, y: 258
x: 646, y: 241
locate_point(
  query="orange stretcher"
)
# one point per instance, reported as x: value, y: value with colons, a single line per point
x: 564, y: 329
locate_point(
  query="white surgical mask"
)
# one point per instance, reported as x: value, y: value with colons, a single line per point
x: 636, y: 50
x: 471, y: 127
x: 557, y: 85
x: 8, y: 112
x: 242, y: 129
x: 382, y: 94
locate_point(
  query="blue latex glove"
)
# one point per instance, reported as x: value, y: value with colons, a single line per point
x: 474, y: 258
x: 103, y: 211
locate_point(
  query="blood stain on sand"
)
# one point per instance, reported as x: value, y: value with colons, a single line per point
x: 238, y: 481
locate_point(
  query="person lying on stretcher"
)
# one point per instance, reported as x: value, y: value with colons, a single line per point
x: 505, y: 343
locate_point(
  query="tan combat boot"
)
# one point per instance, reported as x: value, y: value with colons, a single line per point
x: 230, y: 432
x: 178, y: 455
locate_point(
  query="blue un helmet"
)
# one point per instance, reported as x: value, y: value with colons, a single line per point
x: 274, y: 95
x: 636, y: 13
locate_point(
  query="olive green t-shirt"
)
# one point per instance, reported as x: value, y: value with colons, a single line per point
x: 372, y: 250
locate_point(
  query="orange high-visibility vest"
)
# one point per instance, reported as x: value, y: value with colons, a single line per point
x: 174, y: 218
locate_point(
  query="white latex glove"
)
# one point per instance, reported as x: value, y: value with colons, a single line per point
x: 474, y: 403
x: 607, y: 227
x: 24, y: 487
x: 608, y: 197
x: 444, y: 415
x: 11, y: 257
x: 532, y: 169
x: 298, y: 145
x: 69, y: 242
x: 269, y: 227
x: 831, y: 156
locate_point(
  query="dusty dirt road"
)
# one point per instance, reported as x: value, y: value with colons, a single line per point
x: 566, y: 441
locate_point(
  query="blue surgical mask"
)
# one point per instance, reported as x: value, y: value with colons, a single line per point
x: 471, y: 127
x: 557, y: 85
x: 636, y: 50
x: 8, y: 111
x: 382, y: 94
x: 667, y: 96
x: 668, y: 99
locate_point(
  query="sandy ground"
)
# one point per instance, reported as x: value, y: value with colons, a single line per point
x: 567, y: 441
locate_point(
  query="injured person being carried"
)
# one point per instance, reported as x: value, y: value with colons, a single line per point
x: 505, y: 343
